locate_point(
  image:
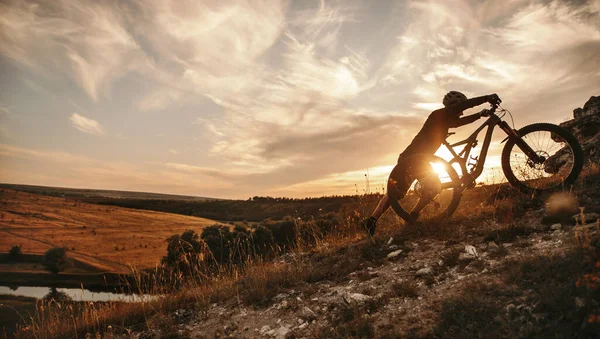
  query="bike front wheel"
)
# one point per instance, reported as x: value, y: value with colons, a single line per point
x: 562, y: 154
x: 404, y: 189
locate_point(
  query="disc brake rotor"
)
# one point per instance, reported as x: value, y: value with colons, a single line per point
x: 538, y: 166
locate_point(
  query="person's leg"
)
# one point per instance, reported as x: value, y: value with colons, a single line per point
x: 371, y: 222
x: 382, y: 206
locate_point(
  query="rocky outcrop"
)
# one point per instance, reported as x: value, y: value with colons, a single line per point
x: 585, y: 125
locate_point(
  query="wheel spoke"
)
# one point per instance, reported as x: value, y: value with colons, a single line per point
x: 559, y: 162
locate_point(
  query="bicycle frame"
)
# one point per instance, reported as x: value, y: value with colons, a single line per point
x: 462, y: 158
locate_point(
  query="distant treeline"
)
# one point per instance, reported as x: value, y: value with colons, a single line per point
x: 253, y: 210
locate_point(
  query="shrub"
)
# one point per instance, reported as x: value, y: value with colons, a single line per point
x: 228, y: 246
x: 55, y: 259
x: 15, y: 254
x: 284, y: 231
x: 217, y: 238
x: 263, y: 241
x: 184, y: 252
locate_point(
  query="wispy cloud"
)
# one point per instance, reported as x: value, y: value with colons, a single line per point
x: 86, y: 125
x: 86, y: 40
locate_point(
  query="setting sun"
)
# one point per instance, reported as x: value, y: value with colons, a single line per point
x: 269, y: 168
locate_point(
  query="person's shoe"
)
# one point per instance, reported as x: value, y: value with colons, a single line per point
x: 369, y: 225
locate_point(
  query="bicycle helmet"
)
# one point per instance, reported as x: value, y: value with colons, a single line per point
x: 453, y: 98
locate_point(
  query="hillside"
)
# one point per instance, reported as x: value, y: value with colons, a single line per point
x: 505, y: 265
x: 502, y: 267
x: 107, y: 238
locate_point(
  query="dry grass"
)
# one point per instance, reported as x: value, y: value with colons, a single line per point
x: 405, y: 289
x: 253, y: 284
x: 478, y: 312
x: 109, y: 238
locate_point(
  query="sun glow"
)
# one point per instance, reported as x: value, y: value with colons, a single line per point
x: 439, y: 169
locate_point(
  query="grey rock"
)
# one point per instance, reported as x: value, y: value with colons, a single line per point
x: 492, y: 246
x: 424, y: 272
x: 357, y: 297
x: 281, y: 332
x: 280, y: 296
x: 307, y: 314
x: 394, y: 254
x: 265, y: 329
x: 556, y: 227
x: 471, y: 251
x: 466, y: 257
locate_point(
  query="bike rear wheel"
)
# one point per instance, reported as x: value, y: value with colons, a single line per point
x: 560, y: 149
x: 441, y: 206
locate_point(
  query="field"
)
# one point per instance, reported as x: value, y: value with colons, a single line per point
x: 65, y: 192
x: 100, y: 238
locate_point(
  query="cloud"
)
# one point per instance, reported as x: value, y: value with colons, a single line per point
x: 481, y: 48
x: 86, y: 40
x: 59, y: 168
x: 86, y: 125
x: 159, y: 99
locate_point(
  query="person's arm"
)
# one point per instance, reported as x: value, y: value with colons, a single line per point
x: 469, y: 103
x: 464, y: 120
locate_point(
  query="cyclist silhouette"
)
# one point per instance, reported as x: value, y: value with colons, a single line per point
x: 427, y: 141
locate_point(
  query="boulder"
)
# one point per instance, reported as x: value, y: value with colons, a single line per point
x: 585, y: 125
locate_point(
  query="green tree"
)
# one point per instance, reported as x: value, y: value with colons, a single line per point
x: 185, y: 252
x: 218, y: 239
x: 55, y: 259
x: 262, y: 239
x: 226, y: 245
x: 284, y: 231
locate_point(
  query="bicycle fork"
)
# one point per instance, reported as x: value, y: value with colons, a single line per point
x: 513, y: 135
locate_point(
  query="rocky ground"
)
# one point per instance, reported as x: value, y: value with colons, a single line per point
x: 409, y: 288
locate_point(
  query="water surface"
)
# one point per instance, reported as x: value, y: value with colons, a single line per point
x: 75, y: 294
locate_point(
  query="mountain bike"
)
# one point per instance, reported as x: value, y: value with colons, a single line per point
x: 538, y: 157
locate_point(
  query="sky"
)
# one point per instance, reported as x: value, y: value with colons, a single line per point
x: 233, y: 99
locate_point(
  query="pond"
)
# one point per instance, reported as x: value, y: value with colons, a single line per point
x: 74, y: 294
